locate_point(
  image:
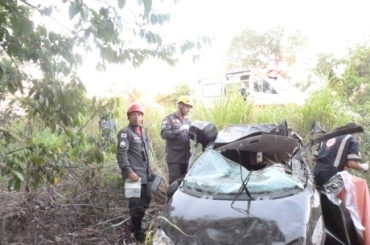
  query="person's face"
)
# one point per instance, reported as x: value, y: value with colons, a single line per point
x: 135, y: 118
x: 185, y: 109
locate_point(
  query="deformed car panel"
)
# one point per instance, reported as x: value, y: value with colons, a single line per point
x: 225, y: 199
x: 203, y: 220
x: 209, y: 208
x: 234, y: 132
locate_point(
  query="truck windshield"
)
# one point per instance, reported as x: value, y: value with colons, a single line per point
x: 282, y: 85
x: 215, y: 174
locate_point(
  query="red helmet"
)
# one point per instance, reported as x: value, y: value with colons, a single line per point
x: 135, y: 107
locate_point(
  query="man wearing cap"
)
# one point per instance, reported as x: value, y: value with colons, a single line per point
x: 175, y: 131
x: 132, y: 158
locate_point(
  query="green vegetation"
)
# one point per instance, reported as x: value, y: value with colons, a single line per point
x: 39, y: 80
x: 57, y: 130
x: 97, y: 163
x: 85, y: 178
x: 254, y: 49
x: 49, y: 136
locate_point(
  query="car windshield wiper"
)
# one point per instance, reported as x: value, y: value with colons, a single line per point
x: 244, y: 182
x: 243, y: 187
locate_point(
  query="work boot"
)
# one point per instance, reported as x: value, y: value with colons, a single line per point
x: 140, y: 236
x: 137, y: 229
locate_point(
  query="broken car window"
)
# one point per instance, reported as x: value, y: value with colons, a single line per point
x: 215, y: 174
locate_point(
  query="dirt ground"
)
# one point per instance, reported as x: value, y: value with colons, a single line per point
x: 95, y: 216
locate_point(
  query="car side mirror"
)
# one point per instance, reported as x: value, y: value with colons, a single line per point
x: 173, y: 188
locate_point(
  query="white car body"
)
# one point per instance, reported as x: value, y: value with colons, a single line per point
x: 259, y: 89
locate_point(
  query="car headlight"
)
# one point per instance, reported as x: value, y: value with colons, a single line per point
x: 161, y: 238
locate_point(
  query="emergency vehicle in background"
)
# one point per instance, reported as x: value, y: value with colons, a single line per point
x: 262, y: 87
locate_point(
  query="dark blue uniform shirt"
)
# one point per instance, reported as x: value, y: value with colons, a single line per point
x: 132, y: 152
x: 332, y: 155
x: 177, y: 141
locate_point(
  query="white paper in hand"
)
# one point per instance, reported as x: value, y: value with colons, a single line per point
x: 132, y: 189
x: 184, y: 127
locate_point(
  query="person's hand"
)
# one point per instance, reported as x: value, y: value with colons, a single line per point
x: 365, y: 167
x: 133, y: 176
x: 151, y: 177
x: 151, y: 171
x: 184, y: 127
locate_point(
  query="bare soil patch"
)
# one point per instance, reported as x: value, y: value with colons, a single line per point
x: 52, y: 215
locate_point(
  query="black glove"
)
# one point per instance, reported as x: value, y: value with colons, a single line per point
x: 151, y: 177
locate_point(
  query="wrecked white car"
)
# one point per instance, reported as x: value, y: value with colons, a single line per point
x: 250, y: 185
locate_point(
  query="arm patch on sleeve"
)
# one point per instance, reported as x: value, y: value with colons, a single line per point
x: 166, y: 124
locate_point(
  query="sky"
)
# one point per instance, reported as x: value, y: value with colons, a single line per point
x: 330, y: 26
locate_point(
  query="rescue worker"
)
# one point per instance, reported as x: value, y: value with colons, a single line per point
x: 243, y: 91
x: 174, y: 130
x: 132, y: 158
x: 335, y: 155
x: 108, y: 128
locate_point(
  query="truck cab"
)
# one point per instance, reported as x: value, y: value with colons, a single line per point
x: 257, y: 87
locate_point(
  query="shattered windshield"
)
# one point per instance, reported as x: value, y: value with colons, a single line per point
x: 218, y: 175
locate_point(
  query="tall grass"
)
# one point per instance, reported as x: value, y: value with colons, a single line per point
x: 232, y: 110
x: 225, y: 111
x: 104, y: 189
x: 321, y: 107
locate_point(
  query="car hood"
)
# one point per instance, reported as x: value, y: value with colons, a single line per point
x: 209, y: 221
x: 211, y: 205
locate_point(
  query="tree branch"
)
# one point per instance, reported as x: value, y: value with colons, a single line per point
x: 32, y: 6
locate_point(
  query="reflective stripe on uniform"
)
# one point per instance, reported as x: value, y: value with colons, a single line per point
x: 340, y: 151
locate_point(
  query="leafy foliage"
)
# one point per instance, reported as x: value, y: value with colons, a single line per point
x: 252, y: 49
x: 172, y: 98
x: 38, y: 75
x: 354, y: 83
x: 348, y: 76
x: 327, y: 66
